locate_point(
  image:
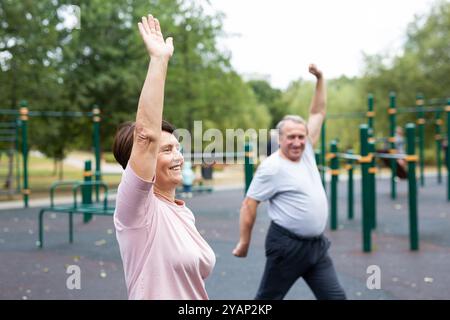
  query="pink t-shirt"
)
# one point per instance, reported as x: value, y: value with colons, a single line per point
x: 164, y: 256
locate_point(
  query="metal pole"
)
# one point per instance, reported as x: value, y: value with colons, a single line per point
x: 392, y: 125
x: 372, y: 186
x: 420, y: 127
x: 365, y: 163
x: 248, y: 165
x: 334, y: 165
x: 24, y: 122
x: 96, y: 140
x: 350, y: 187
x: 438, y: 138
x: 17, y: 151
x: 447, y: 111
x: 412, y: 187
x: 86, y: 194
x: 370, y: 114
x: 322, y: 151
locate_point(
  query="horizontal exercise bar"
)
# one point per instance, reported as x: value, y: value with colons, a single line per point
x: 47, y: 113
x: 200, y: 155
x: 390, y: 155
x: 348, y: 156
x: 354, y: 115
x: 8, y: 139
x: 420, y: 109
x: 8, y: 125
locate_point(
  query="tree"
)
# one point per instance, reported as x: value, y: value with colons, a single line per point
x: 269, y: 97
x: 422, y: 67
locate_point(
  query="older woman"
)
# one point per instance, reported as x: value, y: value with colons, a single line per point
x: 164, y: 256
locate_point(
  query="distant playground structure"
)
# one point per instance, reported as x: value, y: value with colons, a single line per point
x: 369, y: 153
x: 90, y: 196
x: 14, y: 134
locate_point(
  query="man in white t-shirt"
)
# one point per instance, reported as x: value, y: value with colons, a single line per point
x: 295, y: 245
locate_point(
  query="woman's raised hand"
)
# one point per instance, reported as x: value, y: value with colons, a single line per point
x: 150, y: 31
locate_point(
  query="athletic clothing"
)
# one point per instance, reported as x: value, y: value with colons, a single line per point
x: 297, y: 199
x: 295, y: 244
x: 164, y: 256
x: 290, y: 257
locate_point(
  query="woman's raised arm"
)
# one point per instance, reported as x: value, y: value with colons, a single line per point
x: 149, y: 114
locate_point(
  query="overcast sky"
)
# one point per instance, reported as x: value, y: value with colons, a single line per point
x: 279, y: 38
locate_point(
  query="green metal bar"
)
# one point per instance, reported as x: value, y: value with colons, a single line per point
x: 392, y: 126
x: 86, y: 192
x: 58, y: 184
x: 58, y: 114
x: 366, y: 225
x: 447, y: 111
x: 24, y: 123
x: 8, y: 139
x: 41, y: 228
x: 8, y: 131
x: 322, y: 154
x: 8, y: 125
x: 372, y: 187
x: 70, y: 227
x: 347, y: 115
x: 318, y: 160
x: 350, y: 204
x: 419, y: 109
x: 9, y: 112
x: 421, y: 131
x: 334, y: 165
x: 248, y: 165
x: 81, y: 185
x: 17, y: 151
x: 370, y: 114
x: 96, y: 140
x: 412, y: 188
x: 438, y: 138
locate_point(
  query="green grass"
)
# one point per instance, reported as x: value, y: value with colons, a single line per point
x: 109, y: 157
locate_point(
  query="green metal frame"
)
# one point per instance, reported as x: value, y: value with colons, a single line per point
x: 366, y: 211
x: 392, y: 125
x: 24, y: 113
x: 421, y: 132
x: 248, y: 165
x: 412, y: 188
x: 447, y: 111
x: 334, y: 164
x: 77, y: 206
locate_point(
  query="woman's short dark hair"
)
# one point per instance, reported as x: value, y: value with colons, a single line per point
x: 123, y: 140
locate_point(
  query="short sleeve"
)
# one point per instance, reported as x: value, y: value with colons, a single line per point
x: 263, y: 186
x: 133, y: 197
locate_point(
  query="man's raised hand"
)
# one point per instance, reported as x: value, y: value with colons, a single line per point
x: 316, y: 72
x: 150, y: 31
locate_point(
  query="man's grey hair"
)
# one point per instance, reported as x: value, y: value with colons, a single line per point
x: 293, y: 118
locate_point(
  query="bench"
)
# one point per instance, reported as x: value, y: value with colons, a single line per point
x: 83, y: 205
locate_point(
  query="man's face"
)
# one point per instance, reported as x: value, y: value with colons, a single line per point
x: 293, y: 140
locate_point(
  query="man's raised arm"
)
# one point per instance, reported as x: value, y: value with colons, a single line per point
x: 317, y: 109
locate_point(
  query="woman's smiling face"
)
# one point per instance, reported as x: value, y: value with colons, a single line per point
x: 169, y: 162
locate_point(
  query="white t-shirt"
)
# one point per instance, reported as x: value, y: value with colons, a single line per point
x: 297, y: 199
